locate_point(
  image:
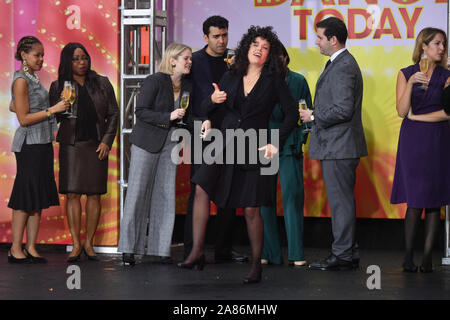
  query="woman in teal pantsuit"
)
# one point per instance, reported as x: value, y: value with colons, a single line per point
x: 291, y: 181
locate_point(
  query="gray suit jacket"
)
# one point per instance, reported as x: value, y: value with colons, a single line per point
x: 337, y: 131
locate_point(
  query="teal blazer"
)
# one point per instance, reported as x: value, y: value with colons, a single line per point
x: 300, y: 90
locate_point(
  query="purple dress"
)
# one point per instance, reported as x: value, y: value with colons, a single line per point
x: 422, y: 171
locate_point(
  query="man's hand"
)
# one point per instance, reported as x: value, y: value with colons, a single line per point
x: 305, y: 115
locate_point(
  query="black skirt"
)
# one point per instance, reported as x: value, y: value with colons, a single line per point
x: 34, y: 187
x: 80, y: 170
x: 231, y: 186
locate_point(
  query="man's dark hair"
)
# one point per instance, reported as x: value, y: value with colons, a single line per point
x: 214, y: 21
x: 334, y: 27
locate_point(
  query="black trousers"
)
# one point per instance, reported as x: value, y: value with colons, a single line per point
x: 223, y: 225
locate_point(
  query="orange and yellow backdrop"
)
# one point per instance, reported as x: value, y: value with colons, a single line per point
x: 381, y: 37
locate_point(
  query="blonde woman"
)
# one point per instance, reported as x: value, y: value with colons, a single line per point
x: 422, y: 176
x: 151, y: 182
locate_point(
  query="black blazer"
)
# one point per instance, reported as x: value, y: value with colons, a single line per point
x: 268, y: 91
x: 155, y: 103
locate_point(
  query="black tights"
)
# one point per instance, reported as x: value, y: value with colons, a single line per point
x: 255, y: 228
x: 412, y: 219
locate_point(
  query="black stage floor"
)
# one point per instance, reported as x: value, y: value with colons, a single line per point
x: 109, y: 279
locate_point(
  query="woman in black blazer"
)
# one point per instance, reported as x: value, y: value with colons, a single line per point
x: 151, y: 181
x: 244, y: 99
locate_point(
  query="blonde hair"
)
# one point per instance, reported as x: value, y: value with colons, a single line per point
x: 172, y: 51
x: 425, y: 36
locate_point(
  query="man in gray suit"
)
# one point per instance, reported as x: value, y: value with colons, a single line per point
x: 337, y: 139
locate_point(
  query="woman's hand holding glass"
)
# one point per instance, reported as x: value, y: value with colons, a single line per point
x: 177, y: 114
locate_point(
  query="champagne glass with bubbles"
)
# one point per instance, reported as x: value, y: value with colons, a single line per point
x: 184, y: 103
x: 67, y: 94
x: 423, y: 64
x: 230, y: 54
x: 302, y: 106
x: 72, y: 99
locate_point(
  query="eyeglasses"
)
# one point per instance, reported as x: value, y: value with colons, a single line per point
x: 78, y: 59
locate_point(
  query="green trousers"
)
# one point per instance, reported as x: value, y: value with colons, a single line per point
x: 293, y: 195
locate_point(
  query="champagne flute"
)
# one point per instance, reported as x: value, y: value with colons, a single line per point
x: 67, y: 93
x: 302, y: 106
x: 423, y: 64
x: 184, y: 103
x: 230, y: 55
x: 73, y: 97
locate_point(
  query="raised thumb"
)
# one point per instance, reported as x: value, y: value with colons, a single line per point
x: 216, y: 87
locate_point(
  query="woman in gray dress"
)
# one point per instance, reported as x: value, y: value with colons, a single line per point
x: 34, y: 186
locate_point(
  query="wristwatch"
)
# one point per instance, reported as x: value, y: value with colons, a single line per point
x: 48, y: 113
x: 312, y: 116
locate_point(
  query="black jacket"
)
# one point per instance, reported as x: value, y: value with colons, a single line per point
x: 155, y: 103
x: 202, y: 80
x: 268, y: 91
x: 102, y: 94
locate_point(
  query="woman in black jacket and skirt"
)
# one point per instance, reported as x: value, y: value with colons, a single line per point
x: 244, y: 99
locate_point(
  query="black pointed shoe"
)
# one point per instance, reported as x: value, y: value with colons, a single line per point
x: 197, y: 264
x: 33, y: 258
x: 12, y: 259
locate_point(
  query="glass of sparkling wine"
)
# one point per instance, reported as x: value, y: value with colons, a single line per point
x: 423, y: 64
x: 73, y: 97
x: 67, y: 93
x: 230, y: 55
x: 184, y: 103
x: 302, y: 106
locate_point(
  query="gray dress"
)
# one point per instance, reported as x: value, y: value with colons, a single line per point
x: 34, y: 186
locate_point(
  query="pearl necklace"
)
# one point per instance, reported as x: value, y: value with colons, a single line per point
x: 33, y: 77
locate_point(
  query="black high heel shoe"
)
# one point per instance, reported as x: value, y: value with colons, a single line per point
x: 426, y: 268
x: 12, y: 259
x: 255, y: 279
x: 409, y: 267
x: 75, y: 258
x: 91, y: 258
x: 197, y: 264
x: 128, y: 259
x: 33, y: 258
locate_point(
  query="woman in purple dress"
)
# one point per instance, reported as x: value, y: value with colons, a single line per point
x: 422, y: 178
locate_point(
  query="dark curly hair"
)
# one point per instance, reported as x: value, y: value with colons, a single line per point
x: 273, y: 62
x: 65, y: 72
